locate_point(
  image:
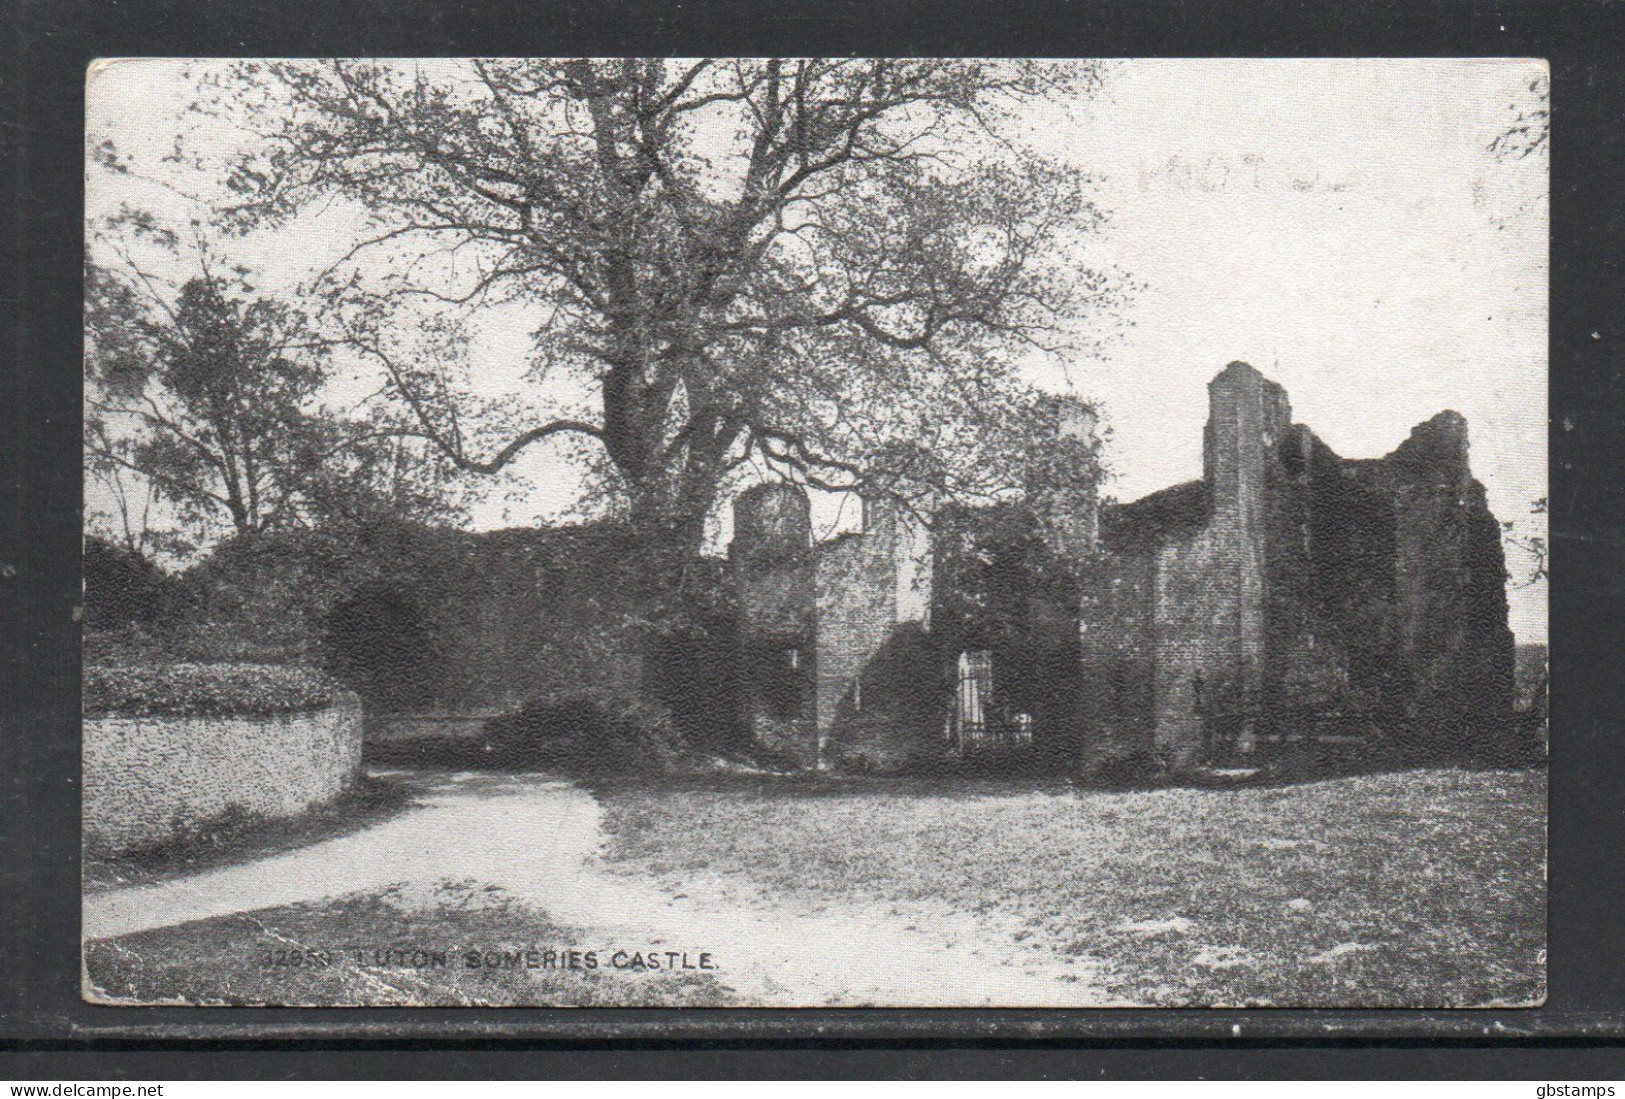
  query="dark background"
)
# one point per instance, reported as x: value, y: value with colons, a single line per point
x: 46, y: 1031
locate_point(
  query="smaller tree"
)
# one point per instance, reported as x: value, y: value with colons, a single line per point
x: 129, y: 520
x: 207, y: 391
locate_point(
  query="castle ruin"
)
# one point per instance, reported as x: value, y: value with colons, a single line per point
x: 1288, y: 596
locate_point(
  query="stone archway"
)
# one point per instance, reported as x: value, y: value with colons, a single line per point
x: 379, y: 643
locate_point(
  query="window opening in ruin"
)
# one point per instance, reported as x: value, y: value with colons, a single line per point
x: 973, y: 697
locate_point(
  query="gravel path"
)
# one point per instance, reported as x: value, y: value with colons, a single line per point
x: 538, y: 839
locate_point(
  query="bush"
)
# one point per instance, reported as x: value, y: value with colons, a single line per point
x: 581, y: 734
x: 123, y: 588
x: 1138, y: 770
x: 187, y: 689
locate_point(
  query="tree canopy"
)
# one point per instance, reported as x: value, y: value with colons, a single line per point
x: 826, y: 270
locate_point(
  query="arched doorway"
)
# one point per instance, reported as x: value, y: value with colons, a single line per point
x: 379, y: 644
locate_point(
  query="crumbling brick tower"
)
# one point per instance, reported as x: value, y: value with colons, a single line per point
x: 834, y: 656
x: 877, y: 697
x: 1453, y: 653
x: 771, y: 561
x: 1293, y: 595
x: 1063, y: 480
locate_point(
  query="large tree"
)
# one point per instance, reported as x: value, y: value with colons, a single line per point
x: 832, y: 269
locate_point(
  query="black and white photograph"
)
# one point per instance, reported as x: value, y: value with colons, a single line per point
x: 815, y: 532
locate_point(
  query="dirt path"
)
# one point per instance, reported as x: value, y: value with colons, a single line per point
x: 538, y: 839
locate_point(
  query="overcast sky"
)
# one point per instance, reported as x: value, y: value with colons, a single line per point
x: 1340, y: 225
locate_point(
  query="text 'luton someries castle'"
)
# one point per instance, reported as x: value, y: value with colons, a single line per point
x: 1288, y: 601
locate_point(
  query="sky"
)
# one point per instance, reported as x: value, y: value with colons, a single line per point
x: 1339, y: 224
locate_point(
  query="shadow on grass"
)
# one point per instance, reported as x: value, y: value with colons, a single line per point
x: 943, y: 782
x: 239, y: 838
x: 829, y: 784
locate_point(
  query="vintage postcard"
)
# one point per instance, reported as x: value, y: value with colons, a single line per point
x: 815, y: 532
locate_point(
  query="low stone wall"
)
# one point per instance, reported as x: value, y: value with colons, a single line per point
x: 151, y: 779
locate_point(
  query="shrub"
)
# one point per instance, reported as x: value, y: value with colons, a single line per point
x: 185, y: 689
x: 123, y: 588
x: 581, y: 734
x: 1137, y: 770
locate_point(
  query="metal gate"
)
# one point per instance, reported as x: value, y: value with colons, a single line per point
x: 974, y: 698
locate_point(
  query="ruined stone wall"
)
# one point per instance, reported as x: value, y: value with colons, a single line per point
x: 1449, y: 608
x: 1248, y: 419
x: 1286, y: 585
x: 1324, y: 557
x: 1063, y: 481
x: 912, y: 560
x: 511, y: 617
x: 1194, y: 613
x: 856, y: 614
x: 557, y: 612
x: 1427, y: 476
x: 1158, y: 643
x: 1118, y: 654
x: 507, y: 617
x: 1370, y: 589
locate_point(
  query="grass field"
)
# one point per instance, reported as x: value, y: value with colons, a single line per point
x: 1419, y: 889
